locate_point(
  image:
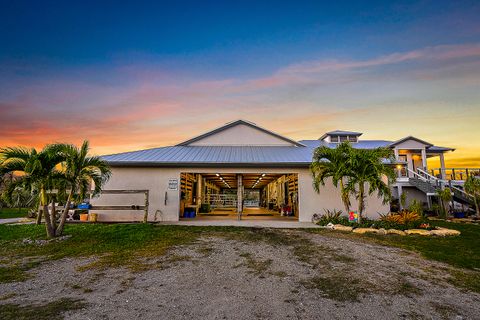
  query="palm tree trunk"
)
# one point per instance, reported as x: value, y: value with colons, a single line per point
x: 39, y: 215
x: 48, y: 223
x: 476, y: 205
x: 445, y: 209
x: 44, y: 203
x: 361, y: 201
x: 345, y: 197
x: 442, y: 208
x: 53, y: 216
x: 64, y: 214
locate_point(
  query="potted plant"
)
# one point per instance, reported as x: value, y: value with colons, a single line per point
x: 205, y: 208
x: 84, y: 215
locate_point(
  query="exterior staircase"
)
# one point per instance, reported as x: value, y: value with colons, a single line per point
x: 463, y: 197
x: 424, y: 186
x: 429, y: 184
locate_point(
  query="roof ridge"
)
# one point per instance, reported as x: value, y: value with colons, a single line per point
x: 235, y: 123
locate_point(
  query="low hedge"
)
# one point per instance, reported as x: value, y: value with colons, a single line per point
x: 368, y: 223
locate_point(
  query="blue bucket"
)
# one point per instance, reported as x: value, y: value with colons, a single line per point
x: 459, y: 215
x: 189, y: 213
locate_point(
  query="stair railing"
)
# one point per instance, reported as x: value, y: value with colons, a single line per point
x: 441, y: 183
x: 430, y: 178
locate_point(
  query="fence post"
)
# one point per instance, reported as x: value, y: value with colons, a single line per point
x: 145, y: 215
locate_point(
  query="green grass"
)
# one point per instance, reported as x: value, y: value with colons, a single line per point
x: 459, y: 251
x: 337, y: 287
x: 7, y: 213
x: 115, y: 245
x: 50, y: 311
x: 131, y: 246
x: 256, y: 266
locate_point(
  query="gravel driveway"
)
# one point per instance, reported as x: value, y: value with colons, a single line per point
x: 313, y: 277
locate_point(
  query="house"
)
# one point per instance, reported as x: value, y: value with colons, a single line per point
x: 242, y: 170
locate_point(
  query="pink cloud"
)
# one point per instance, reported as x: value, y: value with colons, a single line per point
x: 150, y: 113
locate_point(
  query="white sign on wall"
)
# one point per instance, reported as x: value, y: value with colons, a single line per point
x: 173, y: 184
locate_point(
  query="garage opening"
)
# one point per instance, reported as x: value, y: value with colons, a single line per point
x: 263, y: 196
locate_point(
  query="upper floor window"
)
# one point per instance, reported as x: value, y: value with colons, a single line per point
x: 342, y: 138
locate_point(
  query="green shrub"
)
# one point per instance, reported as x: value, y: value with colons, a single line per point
x: 416, y: 207
x: 205, y: 208
x: 332, y: 216
x: 386, y: 222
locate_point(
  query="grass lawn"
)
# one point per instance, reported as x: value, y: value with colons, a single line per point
x: 460, y: 251
x: 130, y: 245
x: 117, y: 244
x: 7, y: 213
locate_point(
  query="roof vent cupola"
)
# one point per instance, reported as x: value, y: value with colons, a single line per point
x: 339, y: 136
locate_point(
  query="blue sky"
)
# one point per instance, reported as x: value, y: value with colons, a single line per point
x: 197, y: 64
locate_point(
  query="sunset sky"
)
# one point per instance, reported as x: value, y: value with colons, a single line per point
x: 141, y: 75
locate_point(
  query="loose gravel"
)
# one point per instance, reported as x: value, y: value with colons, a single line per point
x: 316, y: 277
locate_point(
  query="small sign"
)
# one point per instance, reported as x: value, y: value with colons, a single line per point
x: 172, y: 184
x: 353, y: 217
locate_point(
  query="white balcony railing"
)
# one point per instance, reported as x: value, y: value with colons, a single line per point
x: 457, y: 174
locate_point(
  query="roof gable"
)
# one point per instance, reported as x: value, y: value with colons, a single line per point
x: 240, y: 133
x: 410, y: 142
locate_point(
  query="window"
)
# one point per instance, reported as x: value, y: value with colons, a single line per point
x: 343, y: 138
x: 333, y: 138
x: 352, y: 138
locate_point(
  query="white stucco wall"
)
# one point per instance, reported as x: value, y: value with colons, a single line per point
x: 153, y: 179
x: 414, y: 194
x: 156, y: 181
x: 241, y: 135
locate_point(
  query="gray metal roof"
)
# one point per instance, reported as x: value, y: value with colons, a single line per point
x: 254, y: 156
x: 208, y: 155
x: 361, y: 144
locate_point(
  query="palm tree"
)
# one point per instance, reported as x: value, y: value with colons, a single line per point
x: 79, y: 171
x: 445, y: 196
x: 472, y: 186
x: 368, y: 169
x: 37, y: 172
x: 332, y: 163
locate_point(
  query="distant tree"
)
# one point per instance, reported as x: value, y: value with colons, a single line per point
x: 37, y: 173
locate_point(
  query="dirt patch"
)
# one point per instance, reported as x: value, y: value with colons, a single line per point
x: 261, y: 274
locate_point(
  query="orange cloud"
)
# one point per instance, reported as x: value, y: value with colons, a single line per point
x: 302, y: 101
